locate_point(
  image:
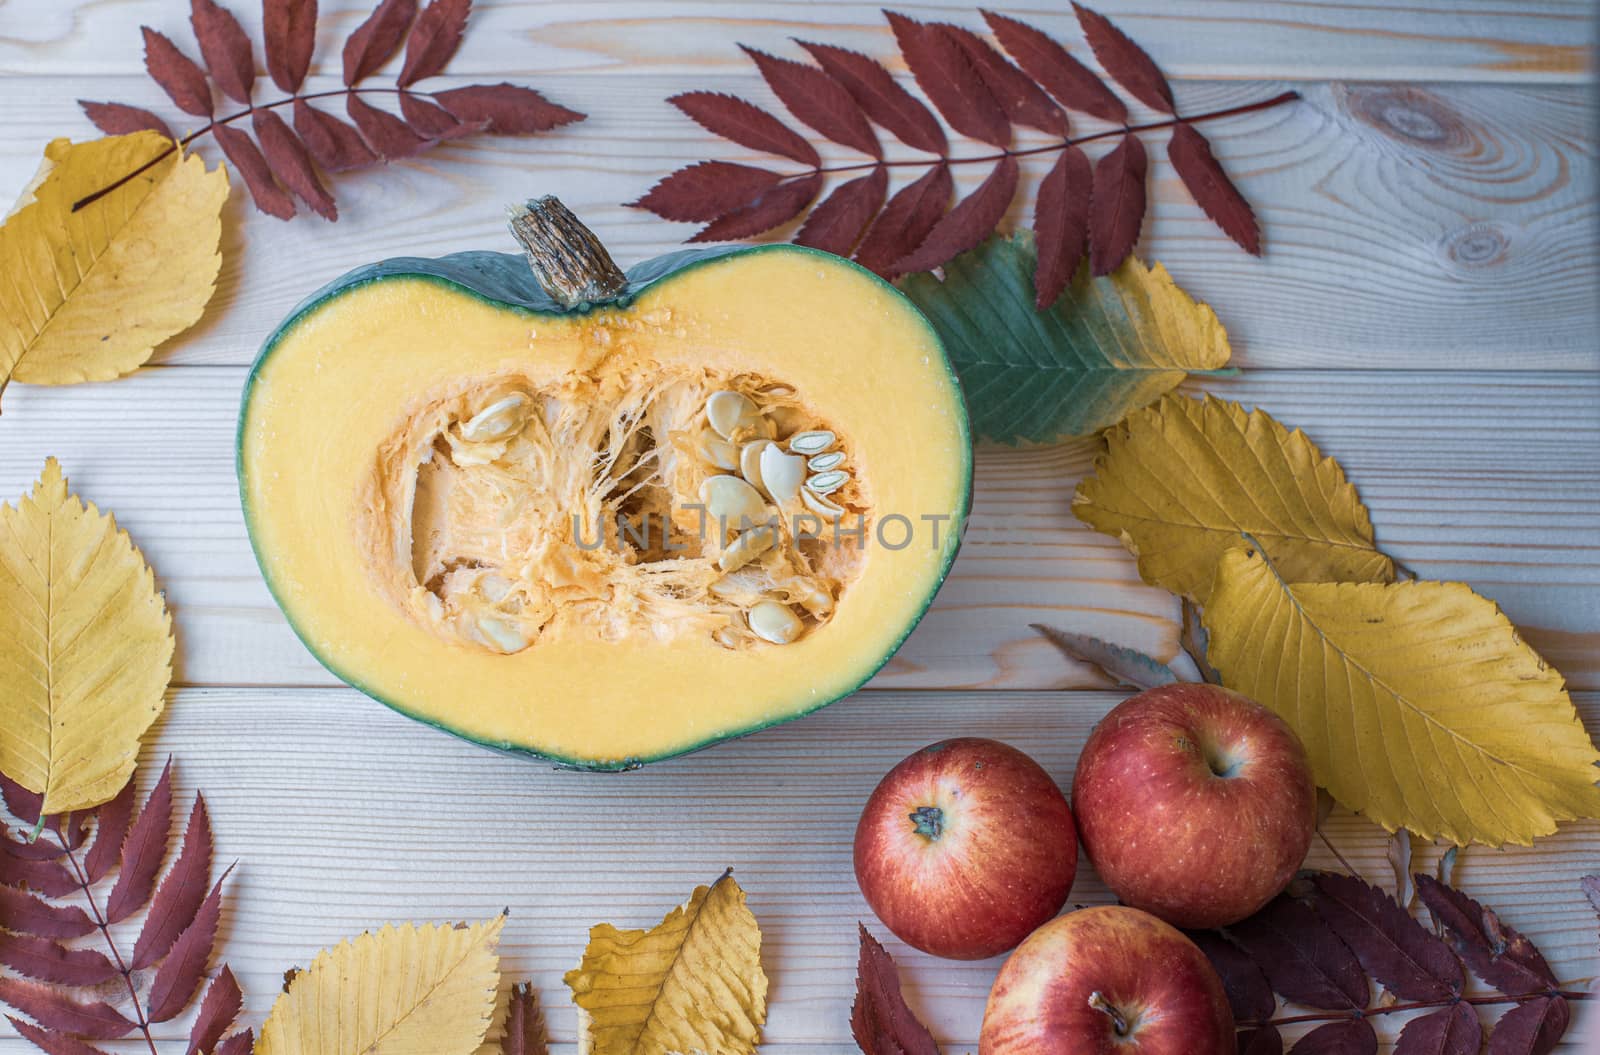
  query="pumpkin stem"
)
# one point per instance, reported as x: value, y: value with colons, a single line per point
x: 566, y: 257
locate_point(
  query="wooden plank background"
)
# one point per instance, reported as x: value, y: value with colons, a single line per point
x: 1426, y: 311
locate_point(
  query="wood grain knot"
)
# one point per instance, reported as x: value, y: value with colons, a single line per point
x: 1411, y: 115
x: 1477, y: 245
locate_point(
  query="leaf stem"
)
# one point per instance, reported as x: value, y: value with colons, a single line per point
x: 1418, y: 1005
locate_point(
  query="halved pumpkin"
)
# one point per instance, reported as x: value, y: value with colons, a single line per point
x: 615, y: 518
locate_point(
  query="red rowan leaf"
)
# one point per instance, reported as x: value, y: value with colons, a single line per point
x: 707, y: 190
x: 387, y: 135
x: 180, y: 973
x: 53, y: 1043
x: 817, y: 100
x: 1073, y: 84
x: 225, y: 48
x: 1264, y: 1040
x: 1533, y: 1028
x: 183, y: 81
x: 111, y: 828
x: 46, y: 961
x: 23, y: 804
x: 1348, y: 1037
x: 26, y: 913
x: 1496, y: 953
x: 1393, y: 947
x: 906, y: 220
x: 1022, y: 100
x: 178, y: 899
x: 526, y: 1033
x: 53, y: 1010
x: 1248, y: 992
x: 335, y: 145
x: 881, y: 97
x: 1200, y: 171
x: 505, y: 109
x: 431, y: 121
x: 950, y: 80
x: 1453, y: 1030
x: 238, y: 1044
x: 291, y: 163
x: 74, y: 827
x: 375, y: 41
x: 1125, y: 61
x: 143, y: 851
x: 839, y: 222
x: 40, y: 849
x: 1116, y: 207
x: 434, y: 39
x: 1061, y: 224
x: 880, y: 1020
x: 972, y: 220
x: 218, y: 1009
x: 18, y: 868
x: 116, y: 119
x: 1302, y: 958
x: 744, y: 123
x: 246, y: 157
x: 289, y: 30
x: 773, y: 208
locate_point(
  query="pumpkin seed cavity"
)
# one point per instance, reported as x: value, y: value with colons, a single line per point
x: 603, y: 507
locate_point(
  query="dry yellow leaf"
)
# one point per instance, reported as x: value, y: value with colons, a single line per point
x: 693, y: 983
x: 1184, y: 480
x: 89, y: 294
x: 407, y: 990
x: 1419, y: 704
x: 85, y: 648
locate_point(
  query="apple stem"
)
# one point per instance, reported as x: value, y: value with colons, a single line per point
x: 1105, y: 1007
x: 929, y: 821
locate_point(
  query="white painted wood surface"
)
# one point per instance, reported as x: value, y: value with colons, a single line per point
x: 1426, y: 312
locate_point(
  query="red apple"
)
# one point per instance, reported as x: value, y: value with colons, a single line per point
x: 1108, y: 979
x: 1194, y: 803
x: 966, y: 847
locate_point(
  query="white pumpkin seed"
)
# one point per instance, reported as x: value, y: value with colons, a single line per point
x: 746, y: 548
x: 820, y: 505
x: 750, y: 461
x: 726, y: 636
x: 717, y: 451
x: 828, y: 482
x: 727, y: 411
x: 498, y: 419
x: 730, y: 498
x: 814, y: 442
x: 781, y: 474
x: 501, y: 634
x: 823, y: 462
x: 774, y: 622
x: 810, y: 595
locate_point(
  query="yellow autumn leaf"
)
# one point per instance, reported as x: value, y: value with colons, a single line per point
x: 1419, y: 704
x: 85, y: 648
x: 693, y: 983
x: 407, y: 990
x: 89, y: 294
x: 1183, y: 480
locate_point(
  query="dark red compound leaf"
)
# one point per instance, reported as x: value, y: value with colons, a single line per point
x: 45, y: 961
x: 110, y: 830
x: 53, y: 1010
x: 880, y: 1020
x: 431, y: 121
x: 1125, y: 61
x: 817, y: 100
x: 72, y: 828
x: 184, y: 82
x: 375, y: 41
x: 881, y: 97
x: 1249, y: 995
x: 1302, y: 958
x: 744, y: 123
x: 1496, y: 953
x: 1073, y: 84
x: 1200, y: 171
x: 225, y: 48
x: 1116, y: 207
x: 1395, y: 949
x: 178, y: 900
x: 972, y: 220
x: 1349, y: 1037
x: 1454, y: 1030
x: 1061, y: 224
x: 773, y: 208
x: 117, y: 119
x: 218, y: 1009
x: 25, y: 913
x: 17, y: 868
x: 290, y: 162
x: 526, y: 1033
x: 1264, y: 1040
x: 1533, y: 1028
x: 247, y: 159
x: 950, y: 80
x: 387, y: 135
x: 23, y: 804
x: 146, y: 845
x: 51, y: 1042
x: 434, y: 39
x: 41, y: 849
x: 505, y: 109
x: 838, y: 223
x: 1023, y: 101
x: 707, y: 190
x: 180, y: 973
x: 238, y: 1044
x: 335, y: 145
x: 289, y: 29
x: 906, y: 220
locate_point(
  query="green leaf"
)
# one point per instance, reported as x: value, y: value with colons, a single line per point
x: 1106, y: 347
